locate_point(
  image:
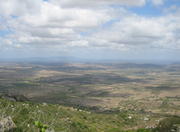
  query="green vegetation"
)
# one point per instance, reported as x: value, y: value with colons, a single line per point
x: 40, y: 126
x: 32, y: 117
x: 169, y: 124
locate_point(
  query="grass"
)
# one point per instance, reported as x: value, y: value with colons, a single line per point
x: 63, y: 119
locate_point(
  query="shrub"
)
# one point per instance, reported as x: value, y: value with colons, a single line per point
x: 40, y: 126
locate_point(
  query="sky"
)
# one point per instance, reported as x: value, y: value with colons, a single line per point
x: 90, y: 29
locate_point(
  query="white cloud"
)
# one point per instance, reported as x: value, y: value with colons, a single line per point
x: 19, y: 7
x: 60, y: 25
x: 55, y: 25
x: 95, y: 3
x: 137, y: 31
x: 157, y: 2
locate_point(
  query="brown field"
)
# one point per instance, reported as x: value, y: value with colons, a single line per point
x: 139, y: 87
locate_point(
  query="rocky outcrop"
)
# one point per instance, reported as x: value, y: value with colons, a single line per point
x: 7, y: 124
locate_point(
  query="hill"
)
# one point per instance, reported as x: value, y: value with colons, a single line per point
x: 68, y: 119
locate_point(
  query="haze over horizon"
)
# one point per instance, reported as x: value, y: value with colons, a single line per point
x: 90, y: 30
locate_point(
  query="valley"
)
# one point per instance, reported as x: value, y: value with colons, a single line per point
x: 103, y: 86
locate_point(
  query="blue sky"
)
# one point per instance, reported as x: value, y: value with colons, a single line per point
x: 151, y: 10
x: 103, y: 29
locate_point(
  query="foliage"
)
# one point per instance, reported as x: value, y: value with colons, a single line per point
x: 168, y: 124
x: 40, y: 126
x: 29, y: 117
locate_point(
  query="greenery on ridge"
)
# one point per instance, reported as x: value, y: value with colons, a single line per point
x: 60, y: 118
x: 31, y: 117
